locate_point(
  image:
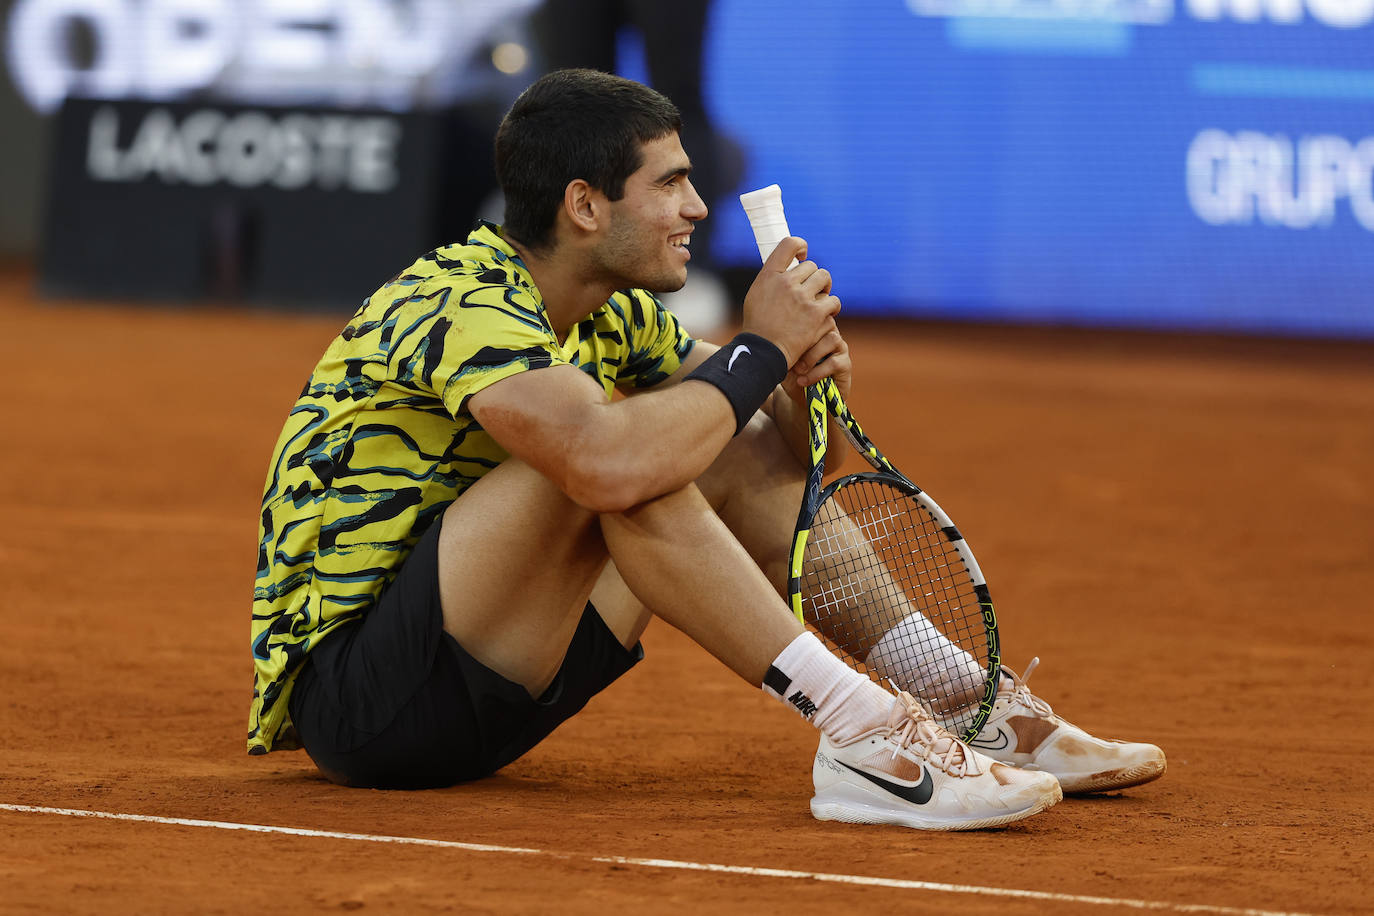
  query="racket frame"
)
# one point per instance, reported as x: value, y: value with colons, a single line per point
x: 768, y: 220
x: 823, y: 401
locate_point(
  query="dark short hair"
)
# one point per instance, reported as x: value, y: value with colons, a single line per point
x: 573, y: 124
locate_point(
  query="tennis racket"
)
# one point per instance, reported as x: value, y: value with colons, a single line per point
x: 878, y: 568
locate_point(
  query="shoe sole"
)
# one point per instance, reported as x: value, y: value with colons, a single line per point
x: 1112, y: 780
x: 832, y: 806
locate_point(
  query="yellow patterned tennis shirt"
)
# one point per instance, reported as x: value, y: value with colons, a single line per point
x: 380, y: 440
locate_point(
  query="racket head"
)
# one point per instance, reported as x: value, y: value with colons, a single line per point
x: 880, y: 550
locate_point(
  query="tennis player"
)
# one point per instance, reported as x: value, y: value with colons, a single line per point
x: 465, y: 529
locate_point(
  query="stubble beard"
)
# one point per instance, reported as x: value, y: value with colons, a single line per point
x: 623, y: 256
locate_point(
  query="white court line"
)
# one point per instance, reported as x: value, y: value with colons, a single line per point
x: 866, y: 881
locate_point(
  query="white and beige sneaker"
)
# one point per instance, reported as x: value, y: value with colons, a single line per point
x: 1024, y: 731
x: 912, y: 772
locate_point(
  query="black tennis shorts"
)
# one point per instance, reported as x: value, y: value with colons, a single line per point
x: 392, y: 701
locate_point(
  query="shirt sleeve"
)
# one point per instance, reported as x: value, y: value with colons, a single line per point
x: 658, y: 343
x: 496, y: 331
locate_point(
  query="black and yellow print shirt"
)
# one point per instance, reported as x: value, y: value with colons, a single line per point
x: 381, y: 441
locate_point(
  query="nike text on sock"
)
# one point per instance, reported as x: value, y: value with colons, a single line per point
x: 781, y: 685
x: 832, y: 696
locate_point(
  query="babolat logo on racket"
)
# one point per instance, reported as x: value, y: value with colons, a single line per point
x: 817, y: 429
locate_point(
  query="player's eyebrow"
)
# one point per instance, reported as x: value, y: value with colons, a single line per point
x: 681, y: 171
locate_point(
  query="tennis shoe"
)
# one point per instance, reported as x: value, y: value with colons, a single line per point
x: 1024, y: 731
x: 910, y: 771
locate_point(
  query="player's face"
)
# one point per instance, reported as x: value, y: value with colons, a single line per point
x: 646, y: 244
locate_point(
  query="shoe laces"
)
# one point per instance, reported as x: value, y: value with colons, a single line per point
x: 913, y: 729
x: 1020, y: 693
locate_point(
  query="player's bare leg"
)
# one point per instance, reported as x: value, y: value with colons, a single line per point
x: 677, y: 555
x: 518, y: 560
x: 713, y: 592
x: 755, y: 488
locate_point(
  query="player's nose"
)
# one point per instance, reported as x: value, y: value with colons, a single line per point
x: 693, y: 207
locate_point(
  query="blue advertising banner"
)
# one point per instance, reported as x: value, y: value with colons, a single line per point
x: 1177, y: 163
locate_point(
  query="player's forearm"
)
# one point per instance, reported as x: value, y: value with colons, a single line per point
x: 634, y: 450
x: 605, y: 455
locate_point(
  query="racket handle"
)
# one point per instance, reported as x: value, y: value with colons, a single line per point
x: 769, y: 222
x: 766, y: 218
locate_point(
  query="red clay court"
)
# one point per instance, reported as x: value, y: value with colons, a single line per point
x: 1180, y: 527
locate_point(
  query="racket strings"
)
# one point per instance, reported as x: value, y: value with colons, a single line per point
x: 883, y: 583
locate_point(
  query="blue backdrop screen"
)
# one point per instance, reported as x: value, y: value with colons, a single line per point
x: 1179, y: 163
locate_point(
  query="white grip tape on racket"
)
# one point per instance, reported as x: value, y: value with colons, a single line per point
x: 766, y: 218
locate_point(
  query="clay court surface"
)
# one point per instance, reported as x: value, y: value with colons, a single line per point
x: 1182, y: 528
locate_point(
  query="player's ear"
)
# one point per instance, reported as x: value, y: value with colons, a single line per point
x: 584, y: 206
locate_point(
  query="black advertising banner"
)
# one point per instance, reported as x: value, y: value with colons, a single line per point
x: 287, y: 206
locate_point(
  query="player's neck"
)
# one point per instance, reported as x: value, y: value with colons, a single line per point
x: 569, y: 292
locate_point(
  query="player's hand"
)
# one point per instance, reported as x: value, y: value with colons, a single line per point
x: 792, y: 307
x: 827, y: 358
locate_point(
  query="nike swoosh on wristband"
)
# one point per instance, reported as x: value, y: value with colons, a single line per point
x: 918, y: 794
x: 734, y: 356
x: 1003, y: 740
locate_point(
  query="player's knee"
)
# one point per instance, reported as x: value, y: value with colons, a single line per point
x: 516, y: 491
x: 756, y: 459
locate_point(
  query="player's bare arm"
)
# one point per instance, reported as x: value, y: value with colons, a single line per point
x: 826, y: 357
x: 605, y: 455
x: 611, y: 455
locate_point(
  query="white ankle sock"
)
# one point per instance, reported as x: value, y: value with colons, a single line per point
x: 918, y: 658
x: 832, y: 696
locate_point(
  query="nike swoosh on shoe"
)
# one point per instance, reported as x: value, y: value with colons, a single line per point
x: 987, y: 742
x: 918, y: 794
